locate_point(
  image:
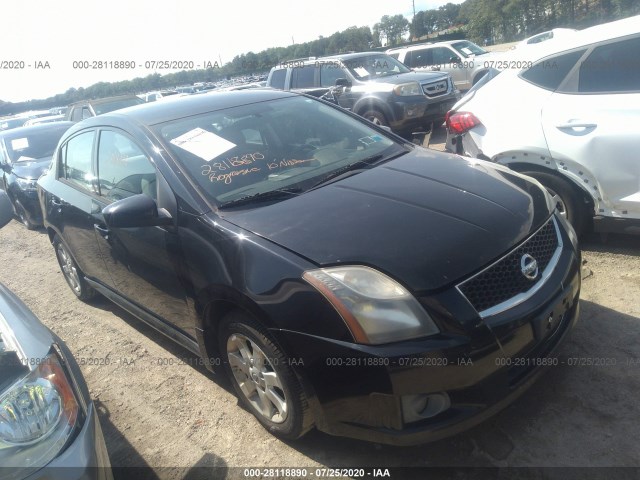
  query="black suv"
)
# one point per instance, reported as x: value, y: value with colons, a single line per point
x: 90, y: 108
x: 379, y: 88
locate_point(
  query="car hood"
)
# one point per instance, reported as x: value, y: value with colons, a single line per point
x: 427, y: 219
x: 420, y: 77
x: 31, y: 169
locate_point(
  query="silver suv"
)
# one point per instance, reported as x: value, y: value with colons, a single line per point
x: 464, y: 60
x: 376, y: 86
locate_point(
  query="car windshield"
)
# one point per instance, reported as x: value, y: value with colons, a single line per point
x: 107, y: 107
x: 285, y: 145
x: 368, y: 67
x: 40, y: 143
x: 467, y: 49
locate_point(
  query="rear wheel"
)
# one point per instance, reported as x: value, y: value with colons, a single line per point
x: 566, y: 198
x: 376, y: 117
x: 72, y: 274
x: 262, y: 377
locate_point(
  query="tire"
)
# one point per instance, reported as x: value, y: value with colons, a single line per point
x: 376, y: 117
x: 22, y: 216
x: 250, y: 357
x: 72, y: 273
x: 568, y: 200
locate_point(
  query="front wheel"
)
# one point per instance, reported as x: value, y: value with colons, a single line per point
x: 72, y: 274
x: 376, y: 117
x: 566, y: 198
x: 22, y: 215
x: 263, y: 378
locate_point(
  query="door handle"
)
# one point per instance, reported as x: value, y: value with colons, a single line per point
x: 57, y: 202
x: 574, y: 125
x: 103, y: 231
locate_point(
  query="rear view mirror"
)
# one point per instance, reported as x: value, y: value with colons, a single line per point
x: 6, y: 210
x: 135, y: 211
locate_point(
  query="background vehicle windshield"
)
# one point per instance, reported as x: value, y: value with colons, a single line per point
x: 263, y: 147
x: 374, y: 66
x: 39, y: 144
x: 466, y: 48
x: 107, y: 107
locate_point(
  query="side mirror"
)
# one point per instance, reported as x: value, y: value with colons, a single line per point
x: 343, y: 82
x: 5, y: 166
x: 6, y: 209
x: 455, y: 59
x: 135, y: 211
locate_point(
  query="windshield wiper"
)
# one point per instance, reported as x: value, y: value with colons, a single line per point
x: 261, y: 196
x: 354, y: 168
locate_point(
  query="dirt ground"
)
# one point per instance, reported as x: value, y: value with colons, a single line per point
x: 158, y: 408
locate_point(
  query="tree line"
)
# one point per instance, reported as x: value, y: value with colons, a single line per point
x: 482, y: 21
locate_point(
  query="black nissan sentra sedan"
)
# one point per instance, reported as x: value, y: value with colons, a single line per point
x: 341, y: 277
x: 24, y: 154
x: 49, y: 428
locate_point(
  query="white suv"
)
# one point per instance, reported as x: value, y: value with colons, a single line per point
x: 465, y: 61
x: 571, y: 120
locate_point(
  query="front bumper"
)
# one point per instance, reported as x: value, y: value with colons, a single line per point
x: 86, y: 458
x: 410, y: 113
x: 359, y: 391
x: 30, y: 203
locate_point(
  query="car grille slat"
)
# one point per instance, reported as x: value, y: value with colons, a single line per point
x: 436, y: 89
x: 504, y: 280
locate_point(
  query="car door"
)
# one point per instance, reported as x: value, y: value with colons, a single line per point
x: 72, y: 207
x: 593, y: 120
x: 144, y: 261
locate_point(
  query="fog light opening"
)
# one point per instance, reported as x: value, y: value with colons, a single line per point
x: 421, y: 406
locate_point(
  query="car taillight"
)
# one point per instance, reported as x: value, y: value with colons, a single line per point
x: 461, y: 122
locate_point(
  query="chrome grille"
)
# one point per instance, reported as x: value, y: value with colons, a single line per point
x: 436, y: 89
x: 503, y: 283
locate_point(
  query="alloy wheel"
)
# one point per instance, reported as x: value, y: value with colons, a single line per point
x: 257, y: 378
x: 69, y: 269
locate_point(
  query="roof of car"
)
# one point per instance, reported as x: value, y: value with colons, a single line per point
x: 426, y: 44
x: 582, y: 38
x: 159, y: 112
x: 98, y: 101
x: 30, y: 130
x: 349, y: 56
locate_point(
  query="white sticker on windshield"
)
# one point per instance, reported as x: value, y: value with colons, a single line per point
x: 467, y: 51
x: 19, y: 143
x: 361, y: 71
x: 203, y: 144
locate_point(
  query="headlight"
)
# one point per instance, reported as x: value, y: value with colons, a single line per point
x: 26, y: 184
x: 376, y: 308
x: 407, y: 89
x: 38, y: 414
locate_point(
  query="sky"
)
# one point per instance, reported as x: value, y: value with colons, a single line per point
x: 57, y: 33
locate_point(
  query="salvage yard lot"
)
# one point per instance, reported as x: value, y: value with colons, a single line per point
x: 158, y: 407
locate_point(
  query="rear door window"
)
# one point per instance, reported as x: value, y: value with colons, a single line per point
x: 612, y: 68
x: 303, y: 77
x: 549, y: 72
x: 421, y: 58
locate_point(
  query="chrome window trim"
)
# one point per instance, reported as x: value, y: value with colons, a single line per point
x: 521, y: 297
